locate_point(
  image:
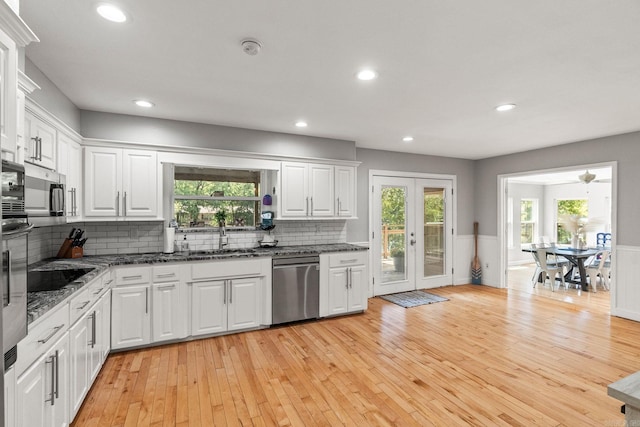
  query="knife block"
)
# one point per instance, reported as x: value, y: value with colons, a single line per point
x: 68, y: 251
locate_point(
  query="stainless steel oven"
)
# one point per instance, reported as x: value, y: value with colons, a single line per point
x: 15, y: 228
x: 296, y: 288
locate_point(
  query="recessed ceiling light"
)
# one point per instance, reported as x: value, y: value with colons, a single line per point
x: 505, y: 107
x: 367, y: 75
x: 301, y: 124
x: 407, y: 139
x: 143, y: 103
x: 111, y: 13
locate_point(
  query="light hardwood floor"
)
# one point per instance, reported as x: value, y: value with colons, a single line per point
x: 485, y: 357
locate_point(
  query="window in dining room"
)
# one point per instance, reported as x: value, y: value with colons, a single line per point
x: 576, y: 208
x: 528, y: 220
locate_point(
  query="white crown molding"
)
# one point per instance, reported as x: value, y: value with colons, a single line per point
x: 15, y: 27
x: 25, y: 83
x: 40, y: 112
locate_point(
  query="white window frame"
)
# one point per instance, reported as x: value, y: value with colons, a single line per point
x: 534, y: 221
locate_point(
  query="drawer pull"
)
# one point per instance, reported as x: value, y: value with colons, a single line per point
x: 98, y: 291
x: 139, y: 276
x: 55, y: 331
x: 109, y: 282
x: 348, y: 261
x: 171, y: 286
x: 166, y: 275
x: 84, y: 304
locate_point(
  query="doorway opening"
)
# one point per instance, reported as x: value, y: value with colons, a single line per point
x: 412, y: 231
x: 538, y: 207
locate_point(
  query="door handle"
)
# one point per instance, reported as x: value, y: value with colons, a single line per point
x: 8, y: 277
x: 57, y: 375
x: 412, y: 242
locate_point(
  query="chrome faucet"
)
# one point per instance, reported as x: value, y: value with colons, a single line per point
x: 224, y: 239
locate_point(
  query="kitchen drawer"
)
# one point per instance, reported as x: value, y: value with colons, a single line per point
x: 166, y: 273
x: 345, y: 259
x: 98, y: 287
x: 237, y: 268
x: 133, y: 275
x: 80, y: 303
x: 43, y: 333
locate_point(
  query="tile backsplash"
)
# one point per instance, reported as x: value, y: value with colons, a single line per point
x: 147, y: 236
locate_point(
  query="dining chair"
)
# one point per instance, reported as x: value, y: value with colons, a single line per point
x: 549, y: 268
x: 599, y: 267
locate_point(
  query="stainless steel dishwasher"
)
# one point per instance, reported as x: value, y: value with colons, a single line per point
x: 296, y: 288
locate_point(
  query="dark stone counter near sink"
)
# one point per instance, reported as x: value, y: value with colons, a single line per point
x: 38, y: 303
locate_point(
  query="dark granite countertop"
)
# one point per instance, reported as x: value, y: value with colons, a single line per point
x: 38, y: 303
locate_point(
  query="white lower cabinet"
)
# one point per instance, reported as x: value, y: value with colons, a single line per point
x: 225, y: 305
x: 343, y: 283
x: 42, y: 391
x: 239, y: 298
x: 130, y: 319
x: 168, y: 317
x: 10, y: 397
x: 88, y: 348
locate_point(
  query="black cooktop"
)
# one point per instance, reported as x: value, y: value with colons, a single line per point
x: 53, y: 280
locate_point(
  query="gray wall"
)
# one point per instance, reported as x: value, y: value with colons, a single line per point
x: 51, y: 98
x: 625, y: 149
x: 358, y: 230
x: 149, y: 130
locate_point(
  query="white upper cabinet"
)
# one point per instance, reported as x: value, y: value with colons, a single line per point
x: 317, y: 191
x: 307, y: 190
x: 40, y: 142
x: 70, y: 165
x: 345, y: 191
x: 120, y: 183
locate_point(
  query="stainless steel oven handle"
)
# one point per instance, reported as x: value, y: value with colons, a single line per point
x: 8, y: 277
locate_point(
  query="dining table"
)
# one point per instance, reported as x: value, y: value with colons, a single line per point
x: 576, y: 257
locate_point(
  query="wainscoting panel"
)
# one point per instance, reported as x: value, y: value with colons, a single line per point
x: 463, y: 255
x: 625, y: 301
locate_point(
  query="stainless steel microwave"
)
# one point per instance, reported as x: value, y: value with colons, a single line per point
x: 44, y: 196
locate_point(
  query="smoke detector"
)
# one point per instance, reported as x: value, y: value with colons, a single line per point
x: 251, y: 47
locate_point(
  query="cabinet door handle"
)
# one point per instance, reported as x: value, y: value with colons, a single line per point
x: 307, y: 208
x: 311, y: 206
x: 75, y: 201
x: 230, y: 291
x: 52, y: 360
x: 57, y: 375
x: 224, y: 297
x: 39, y: 149
x: 55, y: 331
x: 124, y: 204
x: 350, y: 278
x: 9, y: 274
x: 117, y: 203
x: 34, y: 154
x: 146, y: 300
x: 93, y: 329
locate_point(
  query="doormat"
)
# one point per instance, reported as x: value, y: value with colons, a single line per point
x: 413, y: 298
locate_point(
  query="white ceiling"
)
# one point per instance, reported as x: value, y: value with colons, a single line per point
x: 571, y: 66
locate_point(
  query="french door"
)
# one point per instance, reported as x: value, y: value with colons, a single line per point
x: 412, y: 241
